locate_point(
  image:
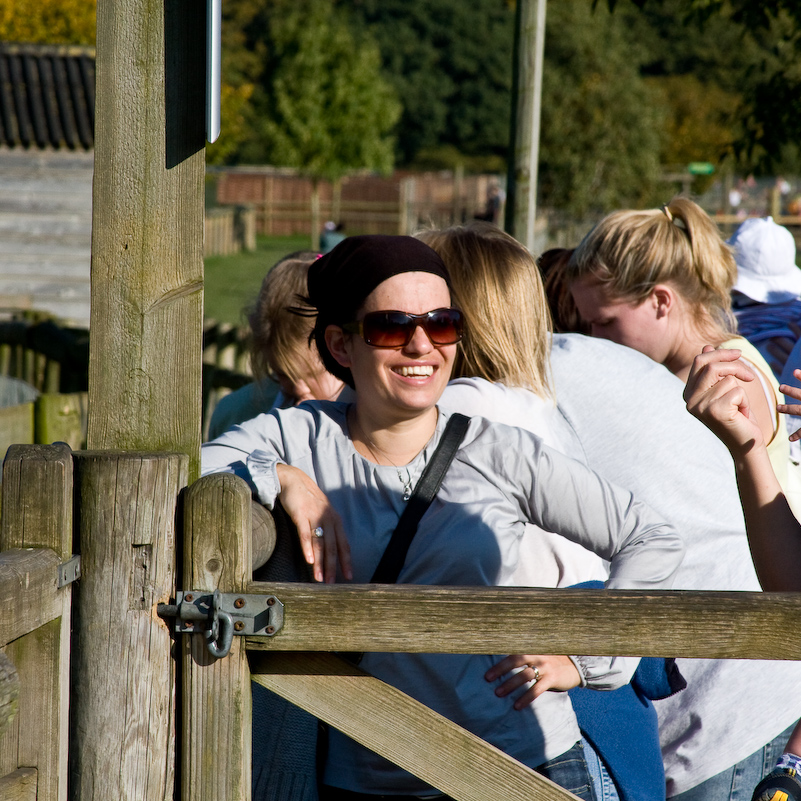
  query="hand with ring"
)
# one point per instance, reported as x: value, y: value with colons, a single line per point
x: 537, y: 674
x: 322, y: 535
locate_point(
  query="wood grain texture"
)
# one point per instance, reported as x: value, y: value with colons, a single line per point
x: 29, y: 594
x: 37, y: 513
x: 123, y: 736
x: 216, y: 758
x: 493, y: 620
x: 21, y: 785
x: 9, y: 692
x: 37, y: 499
x: 37, y: 736
x: 401, y: 729
x: 147, y: 228
x: 264, y: 534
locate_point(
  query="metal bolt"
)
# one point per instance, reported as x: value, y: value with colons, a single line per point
x: 271, y: 601
x: 189, y: 597
x: 239, y: 603
x: 239, y: 625
x: 270, y: 629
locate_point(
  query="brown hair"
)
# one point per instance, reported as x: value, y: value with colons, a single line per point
x: 630, y: 252
x: 279, y: 338
x: 552, y: 265
x: 498, y: 288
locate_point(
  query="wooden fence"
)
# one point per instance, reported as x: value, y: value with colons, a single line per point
x: 55, y: 361
x: 134, y: 525
x: 363, y: 204
x: 229, y: 230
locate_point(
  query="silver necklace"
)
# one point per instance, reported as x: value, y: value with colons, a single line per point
x: 406, y: 480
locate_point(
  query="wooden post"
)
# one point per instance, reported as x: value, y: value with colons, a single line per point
x: 37, y: 513
x: 57, y: 418
x: 521, y: 202
x: 147, y: 227
x: 123, y: 732
x: 216, y: 692
x: 9, y: 691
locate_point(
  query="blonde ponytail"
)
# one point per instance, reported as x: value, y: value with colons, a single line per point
x: 632, y: 251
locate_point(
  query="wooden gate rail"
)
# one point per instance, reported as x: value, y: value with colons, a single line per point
x: 495, y: 620
x: 37, y: 515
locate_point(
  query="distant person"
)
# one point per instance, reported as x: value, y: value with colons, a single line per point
x: 496, y: 199
x: 287, y: 369
x: 333, y: 234
x: 765, y: 297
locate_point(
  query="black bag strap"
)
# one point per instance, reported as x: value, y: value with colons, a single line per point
x: 427, y: 487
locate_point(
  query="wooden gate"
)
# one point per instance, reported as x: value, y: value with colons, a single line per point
x: 137, y: 528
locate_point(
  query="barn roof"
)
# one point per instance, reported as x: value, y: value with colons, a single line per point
x: 47, y: 96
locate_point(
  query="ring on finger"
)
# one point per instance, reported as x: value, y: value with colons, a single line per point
x: 536, y: 673
x: 318, y: 532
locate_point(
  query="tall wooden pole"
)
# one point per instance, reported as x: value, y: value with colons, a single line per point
x: 147, y: 233
x: 521, y: 204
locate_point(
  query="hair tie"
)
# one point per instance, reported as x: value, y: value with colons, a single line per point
x: 679, y: 223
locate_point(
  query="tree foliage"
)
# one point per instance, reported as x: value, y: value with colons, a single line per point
x: 48, y: 21
x: 450, y: 63
x: 752, y: 49
x: 601, y: 128
x: 319, y: 103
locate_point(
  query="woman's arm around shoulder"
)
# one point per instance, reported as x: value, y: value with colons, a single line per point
x: 715, y: 395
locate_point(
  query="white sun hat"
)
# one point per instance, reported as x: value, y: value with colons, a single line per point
x: 765, y: 256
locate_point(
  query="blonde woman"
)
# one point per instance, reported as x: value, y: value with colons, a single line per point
x: 623, y: 415
x: 660, y: 281
x: 287, y: 369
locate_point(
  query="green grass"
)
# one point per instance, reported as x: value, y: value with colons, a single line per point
x: 232, y: 282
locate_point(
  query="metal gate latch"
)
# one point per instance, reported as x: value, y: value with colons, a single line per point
x: 69, y: 571
x: 224, y: 615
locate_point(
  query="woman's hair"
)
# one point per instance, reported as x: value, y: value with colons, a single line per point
x: 497, y: 286
x: 630, y: 252
x: 552, y: 265
x: 279, y: 338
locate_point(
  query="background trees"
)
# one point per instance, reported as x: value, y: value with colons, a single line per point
x: 331, y: 85
x: 48, y: 21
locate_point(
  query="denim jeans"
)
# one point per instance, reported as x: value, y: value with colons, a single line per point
x: 737, y: 783
x: 602, y: 783
x: 569, y: 770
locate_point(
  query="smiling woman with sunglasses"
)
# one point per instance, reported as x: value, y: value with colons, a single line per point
x: 385, y: 325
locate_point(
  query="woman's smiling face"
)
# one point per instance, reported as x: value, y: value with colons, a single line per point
x: 407, y: 381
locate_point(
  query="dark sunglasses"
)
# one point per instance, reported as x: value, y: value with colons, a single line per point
x: 395, y: 329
